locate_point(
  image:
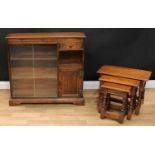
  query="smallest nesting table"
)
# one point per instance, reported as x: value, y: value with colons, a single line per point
x: 129, y: 73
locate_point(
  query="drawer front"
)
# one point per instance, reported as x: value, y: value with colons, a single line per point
x: 71, y: 46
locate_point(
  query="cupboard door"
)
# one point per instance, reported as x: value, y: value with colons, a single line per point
x: 70, y: 83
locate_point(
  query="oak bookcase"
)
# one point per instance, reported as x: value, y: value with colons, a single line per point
x: 46, y: 67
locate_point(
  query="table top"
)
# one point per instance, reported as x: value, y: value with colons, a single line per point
x: 117, y: 87
x: 120, y: 80
x: 125, y: 72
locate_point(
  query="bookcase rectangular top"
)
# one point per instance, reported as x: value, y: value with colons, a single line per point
x: 46, y: 35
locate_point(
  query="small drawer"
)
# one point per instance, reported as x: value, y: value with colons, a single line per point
x: 71, y: 46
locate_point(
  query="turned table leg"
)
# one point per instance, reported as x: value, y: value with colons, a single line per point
x: 140, y: 97
x: 131, y: 103
x: 100, y: 98
x: 104, y: 104
x: 143, y: 91
x: 123, y: 108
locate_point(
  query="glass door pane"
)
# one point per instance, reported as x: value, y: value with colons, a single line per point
x: 33, y: 70
x: 21, y: 61
x: 45, y: 67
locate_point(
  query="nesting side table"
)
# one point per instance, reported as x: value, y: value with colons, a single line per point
x: 129, y: 73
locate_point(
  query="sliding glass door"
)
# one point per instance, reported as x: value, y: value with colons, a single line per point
x: 33, y: 70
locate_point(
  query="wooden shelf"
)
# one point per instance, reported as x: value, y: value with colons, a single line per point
x: 29, y: 73
x: 66, y: 50
x: 34, y: 87
x: 21, y: 59
x: 70, y: 61
x: 30, y: 94
x: 70, y: 58
x: 71, y: 65
x: 36, y: 78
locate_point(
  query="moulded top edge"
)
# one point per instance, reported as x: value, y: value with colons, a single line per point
x: 46, y: 35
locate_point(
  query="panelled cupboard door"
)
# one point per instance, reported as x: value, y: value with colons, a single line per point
x: 70, y: 83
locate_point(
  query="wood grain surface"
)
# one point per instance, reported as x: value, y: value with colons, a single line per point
x: 47, y: 35
x: 125, y: 72
x: 46, y: 65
